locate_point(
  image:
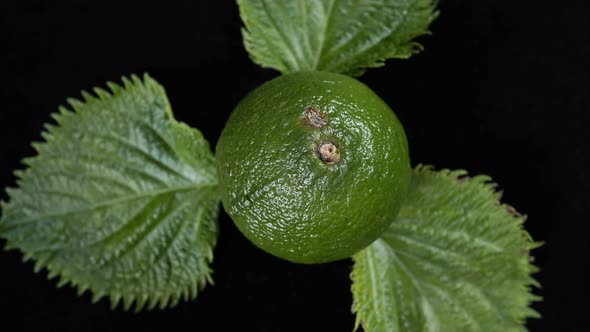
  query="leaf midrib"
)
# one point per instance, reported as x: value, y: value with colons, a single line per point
x: 415, y: 283
x: 323, y: 34
x: 111, y: 202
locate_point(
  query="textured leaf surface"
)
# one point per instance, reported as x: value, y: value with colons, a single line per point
x: 341, y: 36
x: 121, y: 199
x: 455, y: 259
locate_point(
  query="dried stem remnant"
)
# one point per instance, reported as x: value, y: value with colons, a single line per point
x: 328, y: 153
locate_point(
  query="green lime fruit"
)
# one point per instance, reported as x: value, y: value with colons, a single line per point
x: 313, y: 166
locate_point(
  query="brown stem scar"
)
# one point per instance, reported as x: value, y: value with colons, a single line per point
x: 312, y: 117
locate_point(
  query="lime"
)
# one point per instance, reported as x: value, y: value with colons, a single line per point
x: 313, y: 166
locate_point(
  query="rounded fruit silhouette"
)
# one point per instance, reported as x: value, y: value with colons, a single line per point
x: 313, y: 166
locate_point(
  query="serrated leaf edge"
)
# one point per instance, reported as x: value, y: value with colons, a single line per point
x: 461, y: 175
x: 62, y: 278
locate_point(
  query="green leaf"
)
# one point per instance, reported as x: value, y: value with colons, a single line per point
x: 341, y: 36
x: 455, y: 259
x: 121, y: 199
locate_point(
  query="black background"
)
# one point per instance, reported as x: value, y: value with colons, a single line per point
x: 501, y: 89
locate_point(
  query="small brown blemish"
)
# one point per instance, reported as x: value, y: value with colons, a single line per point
x: 329, y: 153
x: 527, y: 253
x: 313, y: 118
x: 512, y: 210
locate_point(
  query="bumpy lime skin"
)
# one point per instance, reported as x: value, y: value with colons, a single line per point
x: 278, y: 191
